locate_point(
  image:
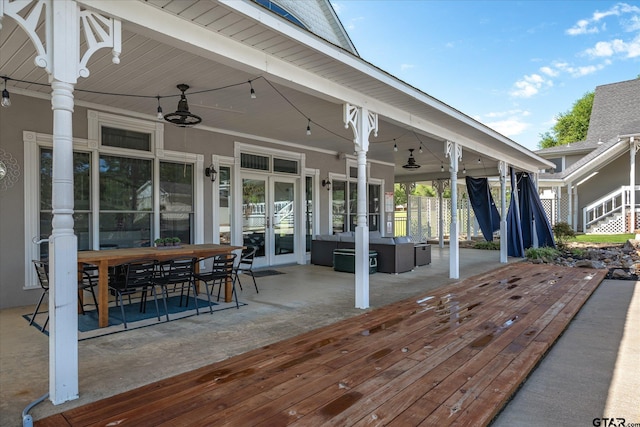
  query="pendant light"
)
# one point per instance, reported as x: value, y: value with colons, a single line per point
x: 182, y: 117
x: 411, y: 162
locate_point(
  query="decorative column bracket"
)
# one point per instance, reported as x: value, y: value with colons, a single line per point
x: 453, y: 161
x: 352, y: 117
x: 96, y: 30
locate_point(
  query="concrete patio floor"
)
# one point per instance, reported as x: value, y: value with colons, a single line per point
x: 572, y: 383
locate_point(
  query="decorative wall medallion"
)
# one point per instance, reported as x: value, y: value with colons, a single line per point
x: 9, y: 170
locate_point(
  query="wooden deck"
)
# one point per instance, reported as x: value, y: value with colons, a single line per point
x: 454, y: 356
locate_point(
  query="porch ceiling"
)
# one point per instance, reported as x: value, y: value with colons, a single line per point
x: 153, y: 63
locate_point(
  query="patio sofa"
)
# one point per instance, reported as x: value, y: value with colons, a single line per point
x: 395, y: 255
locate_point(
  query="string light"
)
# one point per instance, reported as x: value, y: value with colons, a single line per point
x: 464, y: 169
x: 309, y: 127
x: 420, y: 149
x: 253, y: 92
x: 395, y: 146
x: 441, y: 167
x: 160, y: 116
x: 6, y: 101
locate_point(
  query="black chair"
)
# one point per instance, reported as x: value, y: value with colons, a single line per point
x: 245, y: 265
x: 134, y: 277
x: 42, y: 270
x: 219, y: 270
x: 85, y: 282
x: 177, y: 272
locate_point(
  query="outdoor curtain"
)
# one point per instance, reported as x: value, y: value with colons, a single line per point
x: 483, y: 206
x: 525, y: 213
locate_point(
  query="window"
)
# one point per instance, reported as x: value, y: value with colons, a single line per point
x: 225, y: 204
x: 82, y: 198
x: 343, y: 191
x: 338, y: 208
x: 176, y: 200
x: 122, y: 138
x: 280, y: 11
x: 126, y: 202
x: 267, y: 163
x: 308, y: 213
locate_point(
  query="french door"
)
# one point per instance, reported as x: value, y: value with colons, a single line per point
x: 269, y: 218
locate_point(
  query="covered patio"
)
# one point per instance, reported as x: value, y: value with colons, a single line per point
x: 320, y: 114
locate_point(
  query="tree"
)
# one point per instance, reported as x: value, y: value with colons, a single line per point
x: 571, y: 126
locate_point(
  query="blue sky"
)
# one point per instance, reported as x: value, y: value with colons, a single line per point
x: 512, y: 65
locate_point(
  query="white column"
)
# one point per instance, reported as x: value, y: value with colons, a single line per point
x: 63, y: 249
x: 362, y: 122
x: 63, y: 245
x: 59, y: 55
x: 534, y: 229
x: 440, y: 188
x: 570, y: 205
x: 454, y: 152
x: 504, y: 244
x: 633, y: 149
x: 407, y: 192
x: 468, y: 217
x: 576, y: 203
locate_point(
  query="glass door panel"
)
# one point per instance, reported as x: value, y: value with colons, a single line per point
x: 269, y: 218
x: 254, y: 213
x: 284, y: 216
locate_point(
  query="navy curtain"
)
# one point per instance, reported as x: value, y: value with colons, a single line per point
x: 521, y: 222
x: 531, y: 211
x: 483, y: 206
x: 514, y: 232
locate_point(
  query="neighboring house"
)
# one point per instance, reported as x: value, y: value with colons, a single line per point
x: 594, y: 184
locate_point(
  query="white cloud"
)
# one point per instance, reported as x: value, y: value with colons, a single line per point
x: 605, y: 49
x: 582, y: 27
x: 579, y: 71
x: 632, y: 24
x: 549, y: 71
x: 510, y: 127
x: 404, y: 67
x: 588, y: 26
x: 529, y: 86
x: 497, y: 114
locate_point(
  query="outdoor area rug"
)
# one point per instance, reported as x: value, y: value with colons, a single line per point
x: 88, y: 323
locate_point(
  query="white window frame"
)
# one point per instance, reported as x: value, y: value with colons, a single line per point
x: 33, y: 141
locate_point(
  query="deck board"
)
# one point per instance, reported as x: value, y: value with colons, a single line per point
x: 454, y: 358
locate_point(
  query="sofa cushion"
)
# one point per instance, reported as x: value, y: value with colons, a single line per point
x: 403, y: 239
x: 382, y: 241
x: 328, y: 237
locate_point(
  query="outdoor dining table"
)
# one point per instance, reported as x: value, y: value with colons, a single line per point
x: 105, y: 258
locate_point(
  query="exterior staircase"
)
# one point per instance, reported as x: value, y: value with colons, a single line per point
x: 611, y: 214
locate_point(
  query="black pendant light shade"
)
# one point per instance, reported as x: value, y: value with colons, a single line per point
x: 411, y: 162
x: 182, y: 117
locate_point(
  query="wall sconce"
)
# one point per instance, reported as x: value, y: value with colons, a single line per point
x: 326, y: 183
x: 211, y: 172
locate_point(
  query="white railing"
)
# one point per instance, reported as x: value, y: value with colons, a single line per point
x: 614, y: 202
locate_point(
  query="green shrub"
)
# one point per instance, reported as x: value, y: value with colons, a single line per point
x: 492, y: 246
x: 544, y: 253
x: 563, y: 232
x: 578, y: 252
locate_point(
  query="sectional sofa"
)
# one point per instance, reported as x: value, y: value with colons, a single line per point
x: 395, y: 254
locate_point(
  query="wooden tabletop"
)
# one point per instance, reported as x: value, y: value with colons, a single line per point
x: 115, y: 255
